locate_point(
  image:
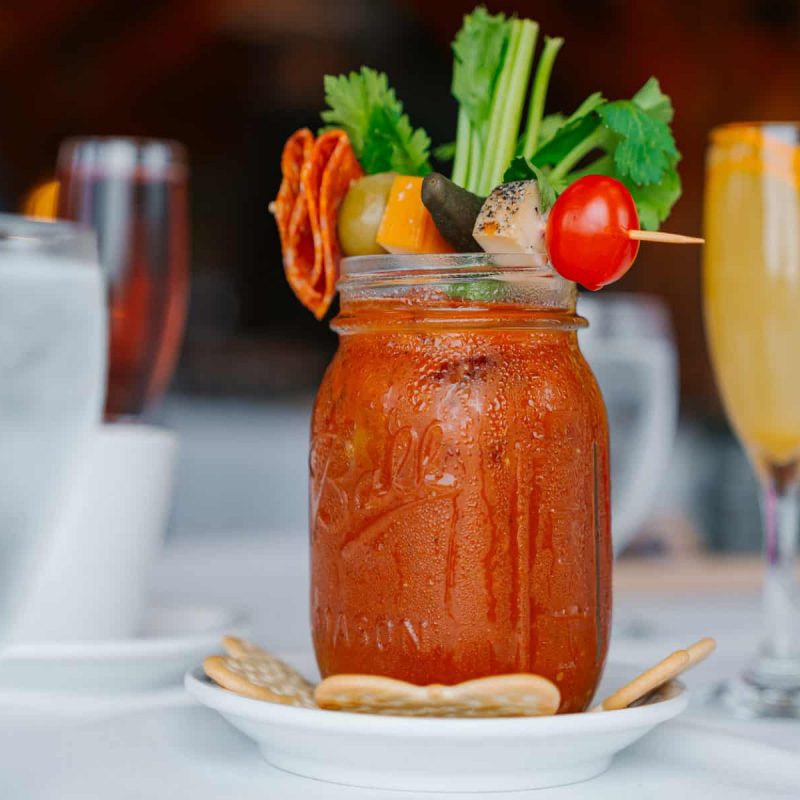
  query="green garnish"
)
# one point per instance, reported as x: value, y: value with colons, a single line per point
x: 523, y: 169
x: 486, y: 290
x: 493, y: 59
x: 548, y: 128
x: 367, y: 109
x: 627, y: 139
x: 538, y: 94
x: 445, y: 152
x: 479, y: 51
x: 494, y: 65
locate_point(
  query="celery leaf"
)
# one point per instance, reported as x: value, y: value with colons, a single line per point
x: 478, y: 50
x: 367, y: 109
x: 523, y: 169
x: 645, y: 148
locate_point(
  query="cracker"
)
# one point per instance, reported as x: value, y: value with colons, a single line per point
x: 658, y: 675
x: 254, y: 673
x: 519, y: 695
x: 242, y: 648
x: 661, y: 693
x: 701, y: 650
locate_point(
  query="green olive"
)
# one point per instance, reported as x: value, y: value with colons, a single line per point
x: 361, y: 213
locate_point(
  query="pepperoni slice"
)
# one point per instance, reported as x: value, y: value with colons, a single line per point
x: 342, y: 169
x: 296, y: 151
x: 311, y: 179
x: 316, y: 177
x: 291, y: 210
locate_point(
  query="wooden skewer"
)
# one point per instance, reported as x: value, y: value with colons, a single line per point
x: 666, y: 238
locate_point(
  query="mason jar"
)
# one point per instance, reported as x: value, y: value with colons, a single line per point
x: 459, y: 493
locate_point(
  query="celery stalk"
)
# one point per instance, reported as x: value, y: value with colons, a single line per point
x: 480, y: 50
x: 475, y: 160
x: 498, y: 105
x: 539, y: 93
x: 506, y: 143
x: 581, y: 149
x: 601, y: 166
x: 461, y: 162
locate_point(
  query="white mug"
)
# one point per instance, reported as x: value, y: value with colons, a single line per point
x: 91, y: 575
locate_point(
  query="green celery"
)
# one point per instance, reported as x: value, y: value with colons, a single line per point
x: 507, y: 104
x: 630, y: 140
x: 480, y: 50
x: 476, y: 155
x: 515, y: 101
x: 602, y: 166
x: 581, y: 150
x: 539, y: 93
x: 365, y: 106
x: 498, y: 104
x: 461, y: 162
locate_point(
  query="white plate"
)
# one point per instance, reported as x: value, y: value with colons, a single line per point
x: 173, y: 639
x: 438, y: 754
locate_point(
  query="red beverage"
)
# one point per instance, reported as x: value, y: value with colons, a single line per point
x: 460, y: 522
x: 134, y: 194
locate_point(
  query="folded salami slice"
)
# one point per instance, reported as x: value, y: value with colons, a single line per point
x: 296, y: 152
x: 316, y: 177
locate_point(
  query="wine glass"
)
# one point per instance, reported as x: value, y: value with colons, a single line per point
x: 752, y: 313
x: 52, y: 370
x: 133, y: 192
x: 630, y: 349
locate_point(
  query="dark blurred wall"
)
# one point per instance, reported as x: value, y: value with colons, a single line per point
x: 233, y: 78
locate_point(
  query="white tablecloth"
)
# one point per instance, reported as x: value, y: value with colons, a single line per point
x: 166, y: 747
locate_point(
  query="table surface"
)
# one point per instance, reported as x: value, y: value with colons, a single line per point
x: 165, y: 746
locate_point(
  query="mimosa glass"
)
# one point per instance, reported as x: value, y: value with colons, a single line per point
x: 752, y: 312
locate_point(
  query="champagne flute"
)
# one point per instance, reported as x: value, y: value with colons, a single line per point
x: 752, y: 313
x: 133, y: 193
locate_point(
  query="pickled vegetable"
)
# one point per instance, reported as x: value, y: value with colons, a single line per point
x: 454, y: 210
x: 361, y: 213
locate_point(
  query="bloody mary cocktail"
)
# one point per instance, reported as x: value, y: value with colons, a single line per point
x: 459, y: 454
x: 459, y: 479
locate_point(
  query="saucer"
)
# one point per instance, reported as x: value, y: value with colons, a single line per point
x: 427, y: 754
x: 173, y: 639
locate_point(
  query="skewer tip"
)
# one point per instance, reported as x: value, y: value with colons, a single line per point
x: 663, y: 237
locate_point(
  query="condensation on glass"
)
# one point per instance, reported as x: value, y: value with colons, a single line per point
x: 459, y: 478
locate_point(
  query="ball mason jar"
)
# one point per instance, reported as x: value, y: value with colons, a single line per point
x: 459, y: 493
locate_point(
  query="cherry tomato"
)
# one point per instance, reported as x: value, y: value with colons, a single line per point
x: 587, y: 231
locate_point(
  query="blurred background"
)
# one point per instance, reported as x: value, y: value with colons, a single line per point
x: 231, y: 79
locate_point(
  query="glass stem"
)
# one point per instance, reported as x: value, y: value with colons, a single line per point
x: 781, y: 512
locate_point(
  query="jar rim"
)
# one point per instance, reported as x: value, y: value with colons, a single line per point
x: 393, y: 270
x: 389, y: 263
x: 456, y: 285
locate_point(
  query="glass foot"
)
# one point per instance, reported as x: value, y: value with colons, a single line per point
x: 748, y: 696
